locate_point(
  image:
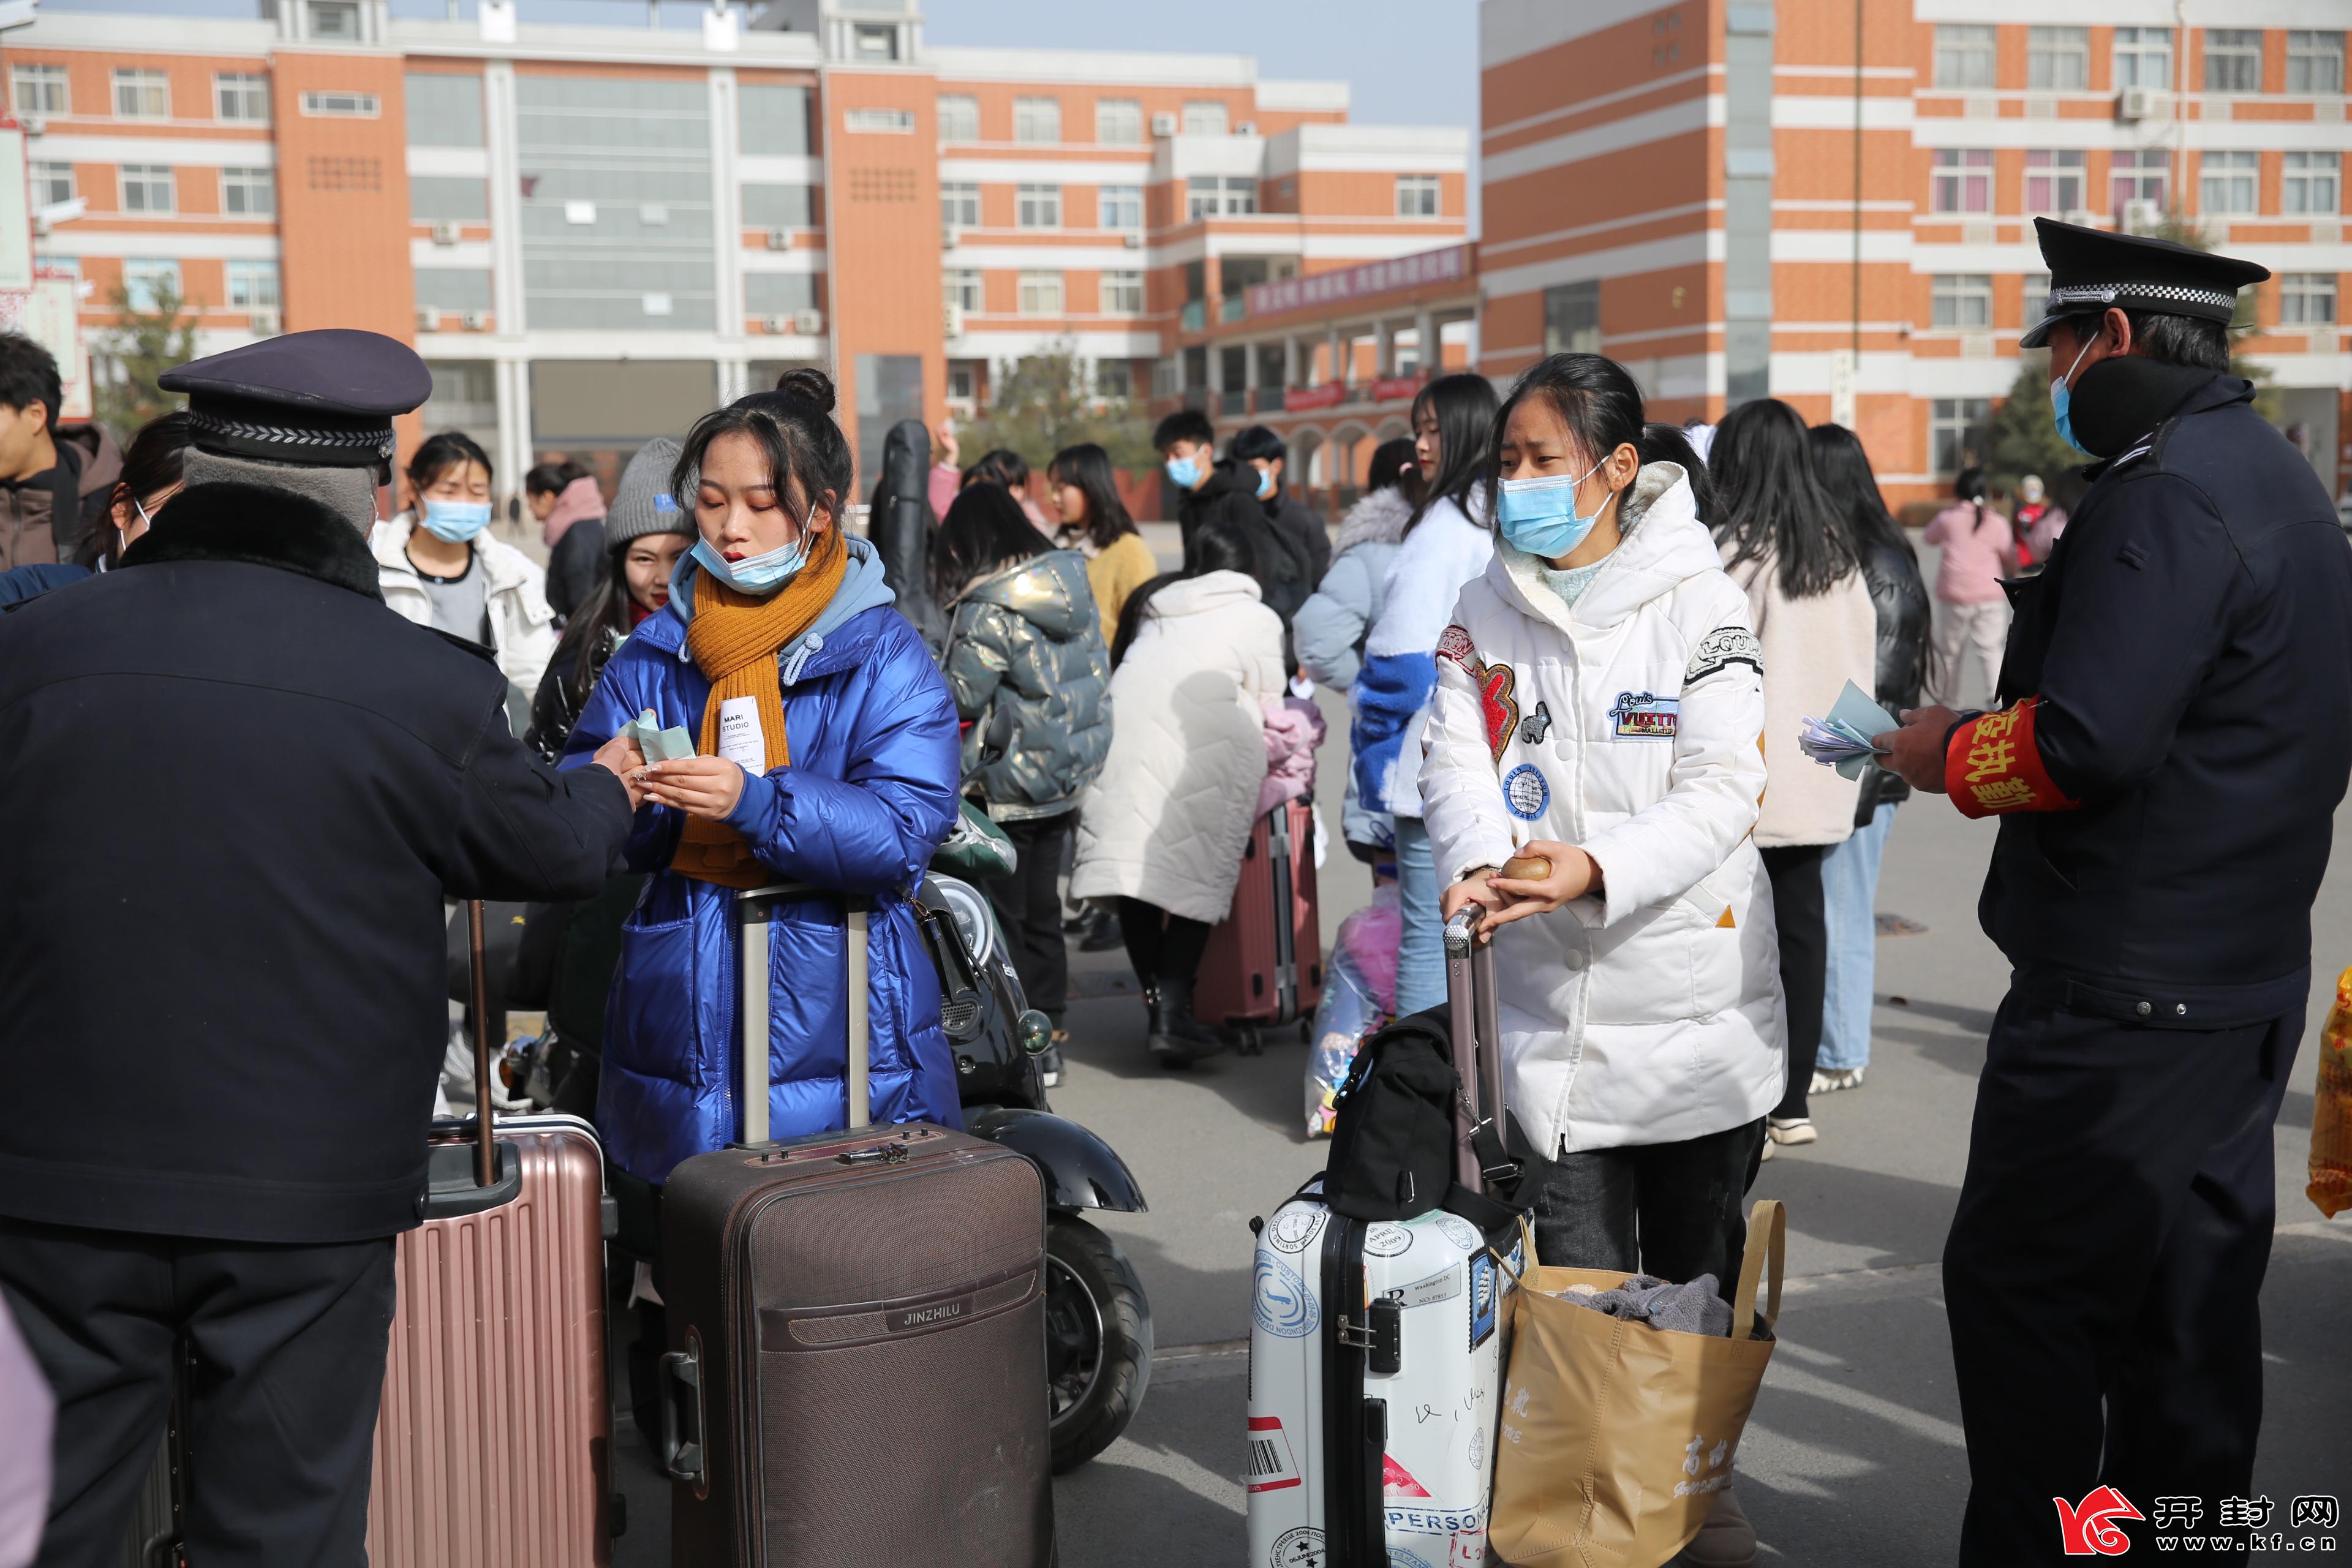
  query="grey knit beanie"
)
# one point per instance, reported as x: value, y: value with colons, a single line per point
x: 644, y: 503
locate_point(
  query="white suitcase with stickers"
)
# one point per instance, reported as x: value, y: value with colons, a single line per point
x: 1376, y: 1357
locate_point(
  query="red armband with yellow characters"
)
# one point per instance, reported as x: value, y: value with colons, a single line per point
x: 1991, y: 765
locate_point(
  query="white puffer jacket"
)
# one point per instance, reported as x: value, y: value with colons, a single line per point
x: 522, y: 626
x: 1166, y: 819
x: 1628, y: 726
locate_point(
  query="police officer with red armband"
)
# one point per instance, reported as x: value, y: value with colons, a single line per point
x: 2174, y: 735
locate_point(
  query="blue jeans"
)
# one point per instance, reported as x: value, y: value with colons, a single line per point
x: 1849, y: 894
x: 1421, y: 952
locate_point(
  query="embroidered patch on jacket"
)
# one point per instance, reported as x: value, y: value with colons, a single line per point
x: 1454, y: 643
x: 1646, y: 716
x: 1720, y: 649
x: 1495, y: 682
x: 1526, y: 792
x: 1535, y: 725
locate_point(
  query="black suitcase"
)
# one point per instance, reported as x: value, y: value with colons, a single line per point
x: 856, y: 1372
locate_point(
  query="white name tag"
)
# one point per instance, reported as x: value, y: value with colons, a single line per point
x: 739, y: 740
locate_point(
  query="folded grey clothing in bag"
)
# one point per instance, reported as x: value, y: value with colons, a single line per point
x: 1688, y: 1309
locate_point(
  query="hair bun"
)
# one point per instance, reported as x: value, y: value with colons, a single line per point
x: 809, y: 384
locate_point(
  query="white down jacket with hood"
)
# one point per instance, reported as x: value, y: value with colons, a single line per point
x: 522, y: 626
x: 1629, y: 726
x: 1168, y: 816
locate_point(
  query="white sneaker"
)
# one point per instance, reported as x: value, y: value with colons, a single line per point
x: 1794, y: 1130
x: 1768, y: 1151
x: 1829, y: 1081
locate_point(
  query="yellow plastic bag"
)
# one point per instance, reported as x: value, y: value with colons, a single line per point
x: 2331, y: 1109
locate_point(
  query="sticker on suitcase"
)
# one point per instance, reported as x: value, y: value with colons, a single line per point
x: 1382, y: 1239
x: 1442, y: 1286
x: 1300, y: 1548
x: 1469, y: 1550
x: 1272, y: 1465
x: 1293, y: 1229
x: 1282, y: 1303
x: 1482, y: 1298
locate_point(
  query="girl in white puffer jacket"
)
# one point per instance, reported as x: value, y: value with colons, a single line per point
x: 1598, y: 704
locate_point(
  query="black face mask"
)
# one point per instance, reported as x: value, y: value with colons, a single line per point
x: 2121, y: 399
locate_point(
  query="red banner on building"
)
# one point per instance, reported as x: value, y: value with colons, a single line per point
x: 1373, y: 278
x: 1295, y: 398
x: 1389, y: 388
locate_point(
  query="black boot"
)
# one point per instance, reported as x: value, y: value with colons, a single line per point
x: 1178, y: 1038
x: 1102, y: 932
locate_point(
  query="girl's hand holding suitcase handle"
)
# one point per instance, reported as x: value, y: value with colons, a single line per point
x: 1544, y: 875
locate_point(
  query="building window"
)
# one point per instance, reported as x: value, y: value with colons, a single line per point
x: 241, y: 95
x: 1114, y: 379
x: 2142, y: 176
x: 2034, y: 290
x: 2306, y: 299
x: 1204, y: 117
x: 959, y: 117
x: 1122, y: 294
x: 147, y: 188
x: 341, y: 105
x: 1963, y: 180
x: 253, y: 285
x: 2230, y: 183
x: 960, y: 203
x: 779, y: 293
x: 1118, y: 120
x: 2058, y: 59
x: 149, y: 279
x: 963, y: 288
x: 875, y: 41
x: 1956, y: 433
x: 777, y: 207
x: 446, y: 110
x: 1041, y: 294
x: 2142, y: 56
x: 39, y: 89
x: 456, y: 290
x: 964, y: 380
x: 250, y: 193
x: 1122, y: 206
x: 880, y: 123
x: 448, y: 198
x: 2054, y: 182
x: 2311, y: 183
x: 142, y: 95
x: 1036, y: 120
x: 1417, y: 195
x: 1962, y: 300
x: 52, y: 184
x: 337, y: 19
x: 770, y: 120
x: 1212, y: 196
x: 1038, y: 207
x: 2315, y: 62
x: 2233, y: 59
x: 1964, y: 56
x: 1572, y: 317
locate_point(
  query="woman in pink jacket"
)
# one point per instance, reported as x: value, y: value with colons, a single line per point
x: 1971, y: 611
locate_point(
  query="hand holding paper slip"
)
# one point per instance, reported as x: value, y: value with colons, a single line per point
x: 1843, y: 739
x: 659, y: 745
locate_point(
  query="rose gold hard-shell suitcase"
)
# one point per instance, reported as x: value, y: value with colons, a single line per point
x: 1263, y: 967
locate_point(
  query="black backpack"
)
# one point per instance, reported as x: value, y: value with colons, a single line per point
x: 1392, y: 1143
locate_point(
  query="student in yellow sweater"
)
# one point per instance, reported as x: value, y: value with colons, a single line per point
x: 1094, y: 522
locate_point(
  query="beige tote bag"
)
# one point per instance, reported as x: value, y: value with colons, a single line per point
x: 1616, y: 1436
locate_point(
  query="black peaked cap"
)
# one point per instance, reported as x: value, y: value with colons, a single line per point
x: 2091, y: 270
x: 323, y: 398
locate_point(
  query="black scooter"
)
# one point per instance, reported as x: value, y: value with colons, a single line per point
x: 1098, y: 1322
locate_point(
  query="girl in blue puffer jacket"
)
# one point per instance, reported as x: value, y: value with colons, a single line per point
x: 828, y: 754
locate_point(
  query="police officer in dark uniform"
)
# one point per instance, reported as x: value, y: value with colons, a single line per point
x: 238, y: 789
x: 2174, y: 736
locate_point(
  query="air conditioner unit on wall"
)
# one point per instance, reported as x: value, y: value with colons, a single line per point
x: 264, y: 323
x: 444, y: 233
x: 952, y: 320
x: 780, y: 239
x: 475, y: 320
x: 1133, y: 242
x: 1246, y: 127
x: 774, y: 326
x: 2139, y: 217
x: 2135, y: 103
x: 808, y: 323
x: 950, y: 237
x: 1163, y: 124
x: 428, y: 320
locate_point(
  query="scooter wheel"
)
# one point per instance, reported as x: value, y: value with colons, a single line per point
x: 1098, y: 1340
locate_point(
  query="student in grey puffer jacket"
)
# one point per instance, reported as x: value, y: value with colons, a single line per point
x: 1330, y: 629
x: 1026, y: 663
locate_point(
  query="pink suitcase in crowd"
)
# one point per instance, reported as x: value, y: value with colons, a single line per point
x: 1263, y: 968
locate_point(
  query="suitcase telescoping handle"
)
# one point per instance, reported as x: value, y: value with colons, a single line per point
x: 756, y: 909
x: 486, y: 1147
x: 1480, y: 1160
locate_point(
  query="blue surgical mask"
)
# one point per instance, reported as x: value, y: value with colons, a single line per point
x: 1265, y: 484
x: 1540, y: 516
x: 456, y: 521
x: 2061, y: 396
x: 759, y: 576
x: 1184, y: 473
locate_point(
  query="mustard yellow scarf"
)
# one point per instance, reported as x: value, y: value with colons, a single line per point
x: 734, y: 638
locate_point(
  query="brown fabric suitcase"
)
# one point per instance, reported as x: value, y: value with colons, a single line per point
x: 494, y: 1436
x: 856, y: 1372
x: 1263, y: 967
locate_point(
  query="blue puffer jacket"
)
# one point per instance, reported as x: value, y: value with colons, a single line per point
x: 868, y: 796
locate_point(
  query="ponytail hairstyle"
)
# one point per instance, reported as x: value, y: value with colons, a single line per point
x: 1594, y: 396
x: 1390, y: 459
x: 1970, y: 485
x: 441, y: 453
x: 1769, y: 507
x: 795, y: 431
x: 1672, y: 444
x: 155, y: 461
x: 1087, y: 468
x: 1219, y: 544
x: 1002, y: 465
x: 1848, y: 479
x: 1464, y: 407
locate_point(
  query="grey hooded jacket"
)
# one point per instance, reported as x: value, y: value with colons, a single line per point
x: 1031, y: 677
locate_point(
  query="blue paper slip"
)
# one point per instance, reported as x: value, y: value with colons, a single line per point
x: 1842, y: 741
x: 659, y: 745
